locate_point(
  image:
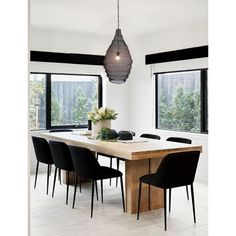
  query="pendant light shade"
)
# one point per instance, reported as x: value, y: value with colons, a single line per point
x: 118, y: 61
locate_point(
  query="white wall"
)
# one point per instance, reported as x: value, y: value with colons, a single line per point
x: 114, y: 96
x: 134, y: 99
x: 141, y: 82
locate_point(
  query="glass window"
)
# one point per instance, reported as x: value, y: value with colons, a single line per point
x: 179, y: 101
x: 37, y: 101
x: 62, y: 100
x: 72, y: 97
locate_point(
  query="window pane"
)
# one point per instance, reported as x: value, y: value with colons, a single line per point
x: 37, y: 101
x: 179, y: 105
x: 72, y: 97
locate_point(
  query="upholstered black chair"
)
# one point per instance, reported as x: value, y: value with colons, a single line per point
x: 60, y: 130
x: 62, y: 159
x: 175, y: 170
x: 87, y: 166
x: 43, y: 155
x: 152, y: 136
x: 117, y: 158
x: 178, y: 140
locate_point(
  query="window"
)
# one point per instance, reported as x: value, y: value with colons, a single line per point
x: 63, y: 100
x: 37, y: 101
x: 181, y: 101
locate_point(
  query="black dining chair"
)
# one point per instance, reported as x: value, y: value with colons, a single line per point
x: 62, y: 160
x: 152, y: 136
x: 175, y: 170
x: 43, y: 155
x: 117, y: 158
x: 87, y: 166
x: 178, y: 140
x: 59, y: 130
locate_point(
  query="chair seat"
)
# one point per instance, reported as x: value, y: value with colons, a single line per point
x: 106, y: 173
x: 147, y: 179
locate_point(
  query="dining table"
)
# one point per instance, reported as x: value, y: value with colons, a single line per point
x: 141, y: 155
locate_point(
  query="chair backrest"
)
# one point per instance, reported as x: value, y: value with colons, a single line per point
x: 177, y: 169
x: 179, y: 140
x: 152, y: 136
x: 42, y: 150
x: 133, y: 133
x: 60, y: 130
x: 84, y: 161
x: 61, y: 155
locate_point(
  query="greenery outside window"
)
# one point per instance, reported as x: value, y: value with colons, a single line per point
x: 62, y: 100
x: 181, y: 101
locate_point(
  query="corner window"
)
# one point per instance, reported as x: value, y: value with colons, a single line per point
x: 181, y: 101
x: 37, y: 101
x: 63, y: 100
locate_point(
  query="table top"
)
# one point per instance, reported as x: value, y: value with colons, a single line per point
x: 139, y: 148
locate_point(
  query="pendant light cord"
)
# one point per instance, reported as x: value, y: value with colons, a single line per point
x: 118, y: 22
x: 118, y: 13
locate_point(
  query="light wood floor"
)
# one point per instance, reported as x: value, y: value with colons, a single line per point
x: 51, y: 216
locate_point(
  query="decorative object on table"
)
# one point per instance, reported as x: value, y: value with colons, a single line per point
x: 89, y: 125
x: 101, y: 117
x: 107, y: 134
x: 125, y: 135
x: 118, y: 61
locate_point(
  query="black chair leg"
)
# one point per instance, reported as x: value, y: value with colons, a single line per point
x: 67, y: 188
x: 170, y: 200
x: 139, y: 198
x: 48, y: 178
x: 165, y: 208
x: 122, y: 192
x: 193, y: 203
x: 36, y: 174
x: 80, y: 185
x: 118, y: 166
x: 102, y: 190
x: 54, y: 181
x: 110, y: 167
x: 149, y: 187
x: 92, y: 198
x: 149, y: 197
x: 50, y: 170
x: 73, y: 205
x: 96, y: 186
x: 187, y: 192
x: 59, y: 175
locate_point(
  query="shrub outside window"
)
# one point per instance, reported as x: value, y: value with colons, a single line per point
x: 181, y: 101
x: 68, y: 99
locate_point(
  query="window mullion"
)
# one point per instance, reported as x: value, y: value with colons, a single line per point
x: 48, y: 101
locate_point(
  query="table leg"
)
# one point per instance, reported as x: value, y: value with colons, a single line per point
x: 133, y: 171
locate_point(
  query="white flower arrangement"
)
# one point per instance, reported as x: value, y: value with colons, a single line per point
x: 103, y: 113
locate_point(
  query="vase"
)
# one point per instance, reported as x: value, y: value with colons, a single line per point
x: 99, y: 125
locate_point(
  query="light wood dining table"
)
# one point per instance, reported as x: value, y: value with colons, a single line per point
x: 142, y: 156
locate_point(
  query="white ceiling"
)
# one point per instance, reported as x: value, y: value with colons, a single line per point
x: 137, y: 17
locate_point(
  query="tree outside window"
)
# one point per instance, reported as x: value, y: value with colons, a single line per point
x: 179, y: 101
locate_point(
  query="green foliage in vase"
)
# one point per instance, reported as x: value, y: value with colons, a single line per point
x: 103, y: 113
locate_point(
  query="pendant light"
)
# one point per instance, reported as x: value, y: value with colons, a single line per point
x: 118, y: 61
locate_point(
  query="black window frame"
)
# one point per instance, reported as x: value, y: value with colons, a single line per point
x: 48, y: 100
x: 203, y: 95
